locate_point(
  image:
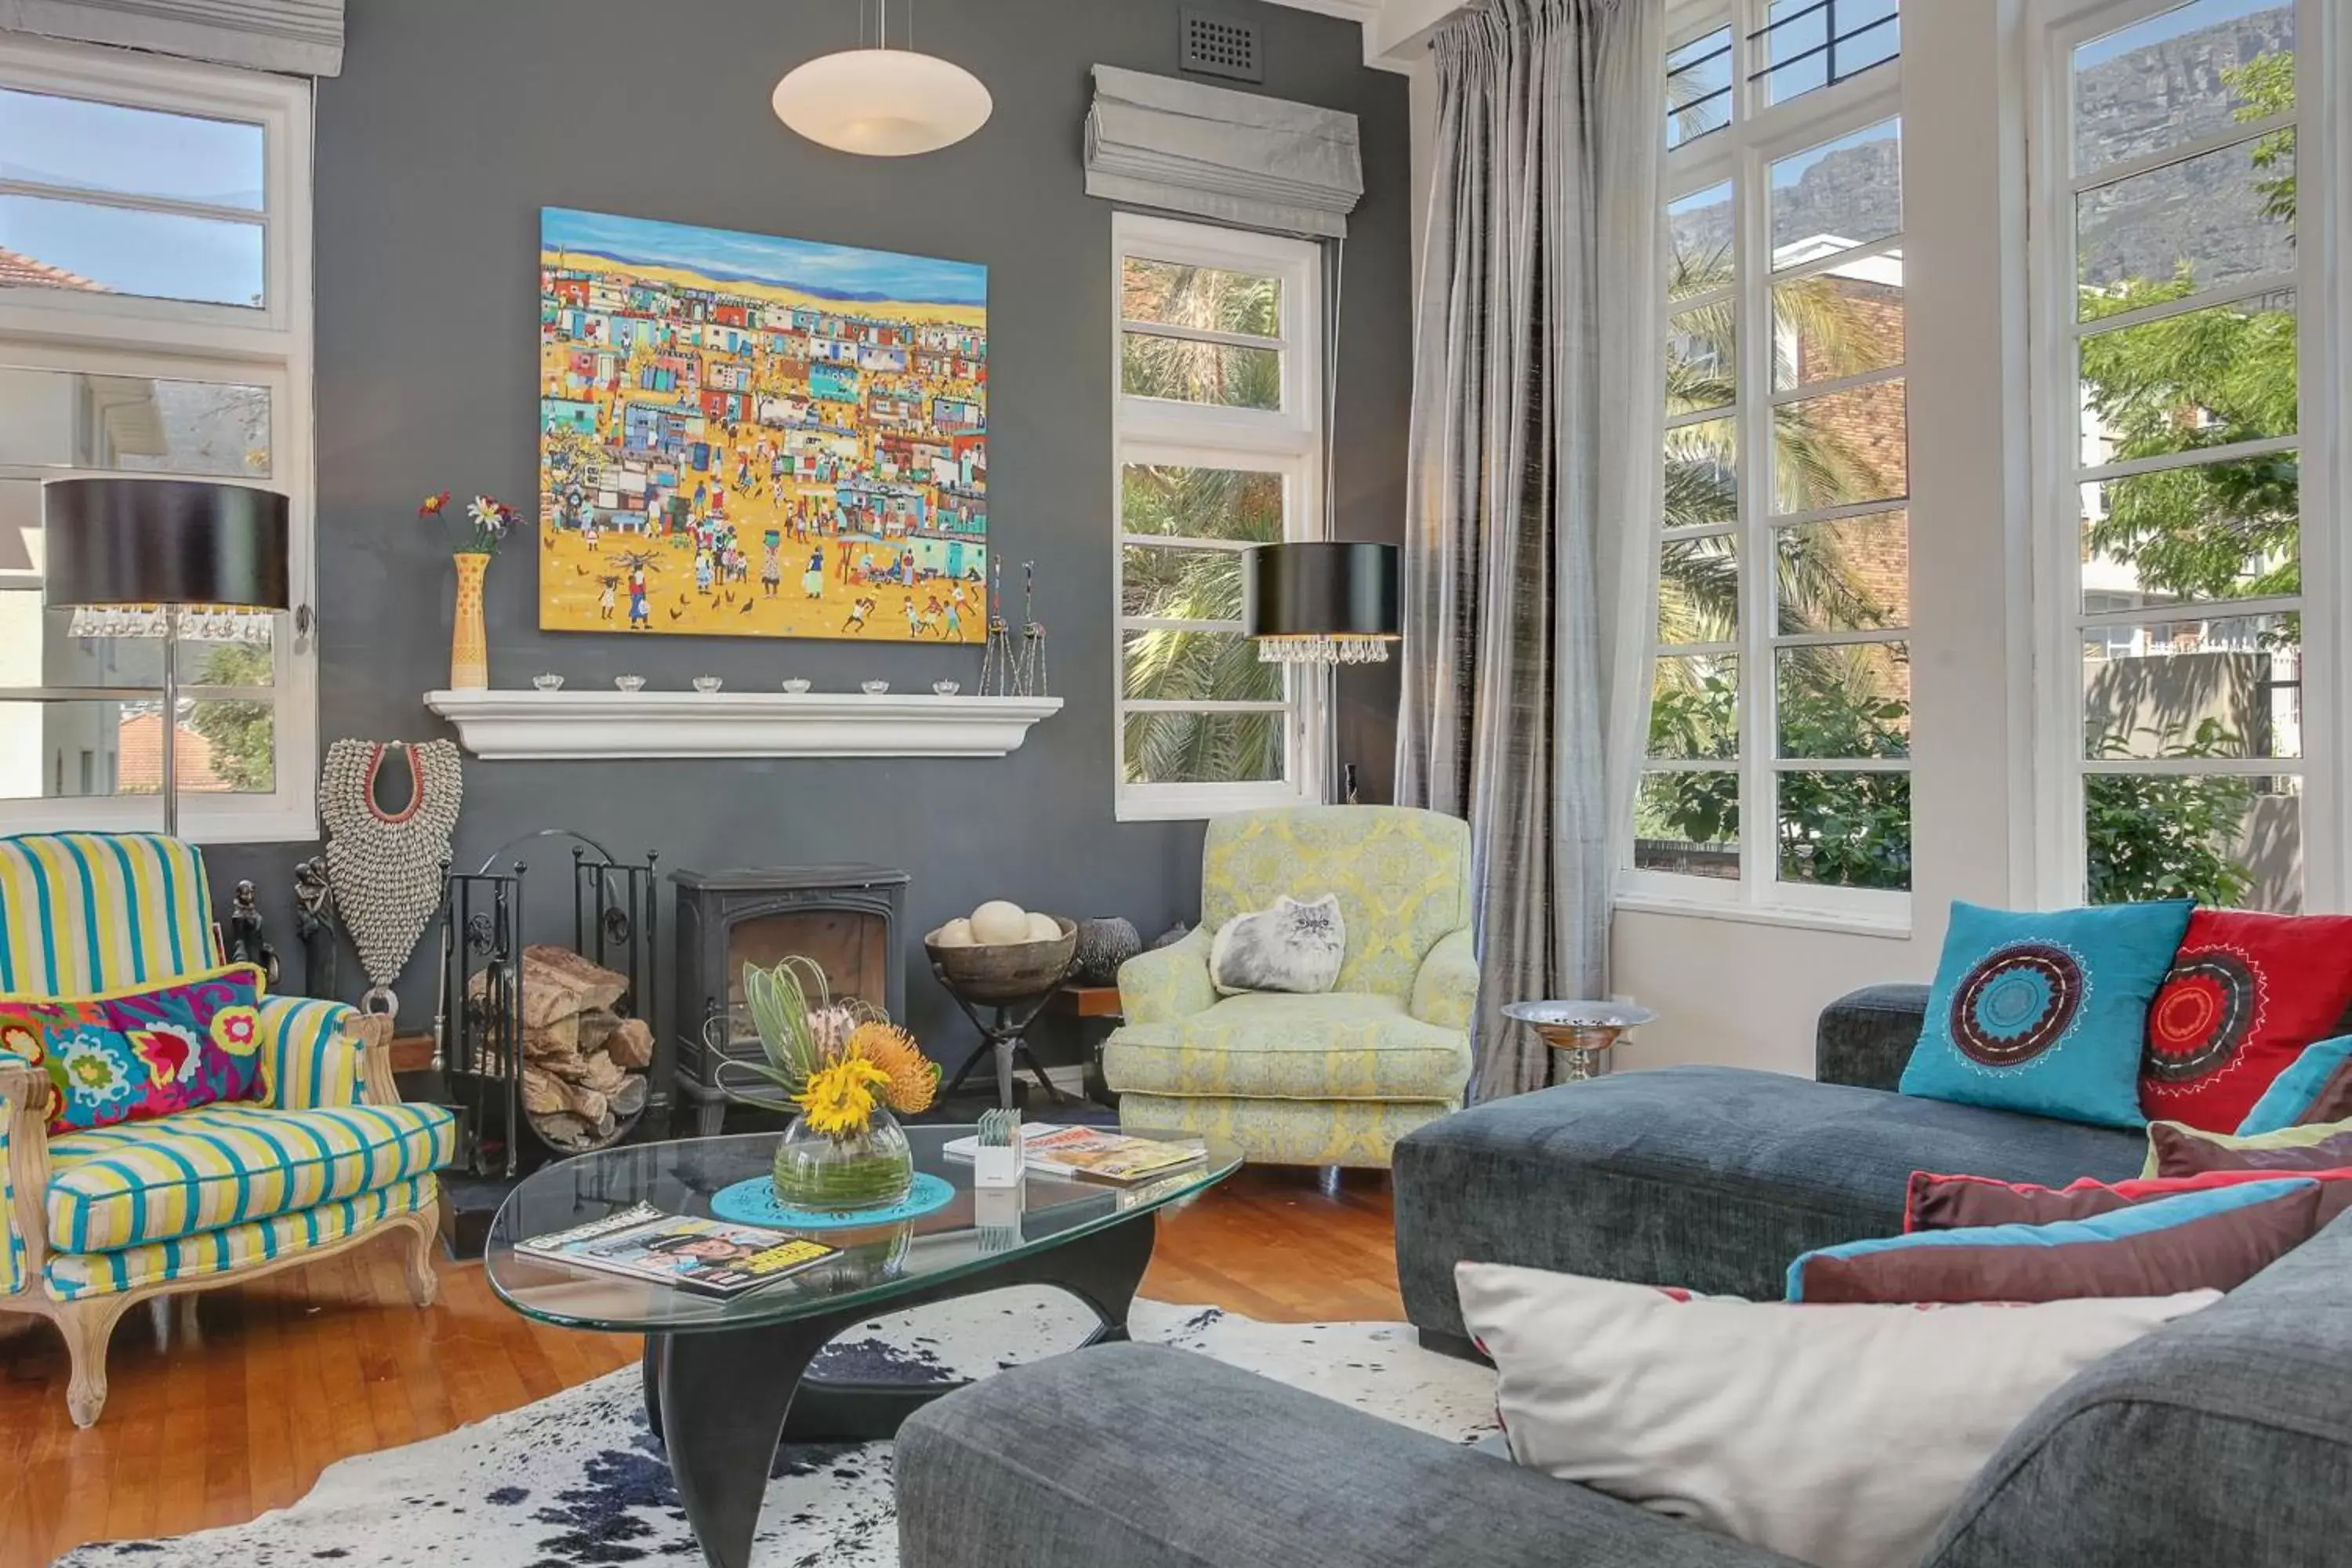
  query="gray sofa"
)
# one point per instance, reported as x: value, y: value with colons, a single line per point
x: 2224, y: 1439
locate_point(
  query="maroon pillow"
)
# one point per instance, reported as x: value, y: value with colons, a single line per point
x: 2180, y: 1152
x: 2210, y: 1240
x: 1962, y: 1203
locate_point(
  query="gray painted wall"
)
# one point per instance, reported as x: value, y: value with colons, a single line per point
x: 455, y: 120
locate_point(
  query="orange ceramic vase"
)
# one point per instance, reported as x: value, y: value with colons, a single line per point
x: 469, y: 648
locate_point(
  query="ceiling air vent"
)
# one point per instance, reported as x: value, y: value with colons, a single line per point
x: 1221, y: 45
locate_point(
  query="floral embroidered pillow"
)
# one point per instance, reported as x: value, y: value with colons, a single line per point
x: 133, y: 1056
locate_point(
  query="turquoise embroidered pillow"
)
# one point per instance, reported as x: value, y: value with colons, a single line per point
x: 133, y: 1056
x: 2046, y: 1013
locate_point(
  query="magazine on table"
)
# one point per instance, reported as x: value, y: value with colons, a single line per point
x: 1093, y: 1153
x: 689, y: 1252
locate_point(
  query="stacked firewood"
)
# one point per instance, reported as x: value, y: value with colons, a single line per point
x: 584, y: 1064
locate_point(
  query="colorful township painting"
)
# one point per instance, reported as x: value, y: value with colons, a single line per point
x: 742, y: 436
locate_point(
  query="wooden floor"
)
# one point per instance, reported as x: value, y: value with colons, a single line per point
x: 240, y: 1410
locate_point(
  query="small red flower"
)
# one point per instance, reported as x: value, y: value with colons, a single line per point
x: 433, y: 505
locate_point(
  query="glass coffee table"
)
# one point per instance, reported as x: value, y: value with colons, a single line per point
x: 724, y: 1379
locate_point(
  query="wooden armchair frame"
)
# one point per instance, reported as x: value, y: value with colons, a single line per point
x: 88, y: 1321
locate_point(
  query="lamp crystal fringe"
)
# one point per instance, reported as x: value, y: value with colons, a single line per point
x: 882, y: 102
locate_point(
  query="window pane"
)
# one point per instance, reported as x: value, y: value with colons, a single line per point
x: 1688, y: 824
x: 118, y: 251
x: 2210, y: 531
x: 1180, y: 584
x: 2203, y: 378
x: 1698, y: 87
x: 1695, y: 706
x: 1808, y: 44
x: 2231, y: 688
x: 20, y: 529
x: 2180, y: 75
x: 66, y: 419
x: 1844, y: 700
x: 1847, y: 321
x: 1192, y: 371
x: 1698, y: 590
x: 78, y: 750
x: 1853, y: 574
x: 2203, y: 224
x: 1840, y: 448
x: 1203, y: 748
x: 2233, y: 841
x: 1206, y: 298
x: 1200, y: 503
x: 105, y: 147
x: 1699, y: 241
x: 1702, y: 484
x: 1197, y: 667
x: 1845, y: 830
x: 1701, y: 358
x: 1839, y: 195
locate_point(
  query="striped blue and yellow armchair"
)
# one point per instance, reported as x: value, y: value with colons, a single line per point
x: 1330, y: 1079
x: 99, y: 1220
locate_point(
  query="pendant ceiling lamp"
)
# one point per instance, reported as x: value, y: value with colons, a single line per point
x: 883, y: 102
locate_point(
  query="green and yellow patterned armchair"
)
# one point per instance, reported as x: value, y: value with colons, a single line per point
x: 98, y: 1220
x: 1329, y: 1079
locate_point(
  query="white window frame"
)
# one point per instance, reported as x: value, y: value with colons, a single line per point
x: 1287, y: 441
x: 2323, y: 67
x: 269, y: 346
x: 1742, y: 154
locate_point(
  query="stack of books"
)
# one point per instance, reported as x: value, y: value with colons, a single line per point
x: 1095, y: 1153
x: 688, y: 1252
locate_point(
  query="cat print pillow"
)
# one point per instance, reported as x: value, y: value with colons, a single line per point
x: 1294, y: 946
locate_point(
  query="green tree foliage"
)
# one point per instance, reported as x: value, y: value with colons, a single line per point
x: 242, y: 733
x: 2155, y: 836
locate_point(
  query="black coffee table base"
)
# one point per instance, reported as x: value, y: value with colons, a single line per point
x: 722, y: 1402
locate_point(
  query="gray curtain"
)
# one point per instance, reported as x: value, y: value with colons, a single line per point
x: 1529, y: 565
x: 303, y: 38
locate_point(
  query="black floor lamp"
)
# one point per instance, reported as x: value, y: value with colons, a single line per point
x: 169, y: 545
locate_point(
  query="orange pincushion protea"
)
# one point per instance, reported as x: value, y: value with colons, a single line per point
x: 914, y: 1078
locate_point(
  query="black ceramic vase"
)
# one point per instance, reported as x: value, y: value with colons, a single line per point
x: 1105, y: 942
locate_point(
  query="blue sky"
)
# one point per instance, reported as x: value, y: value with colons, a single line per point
x: 837, y: 269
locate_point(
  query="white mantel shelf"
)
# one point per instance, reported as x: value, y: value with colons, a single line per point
x: 602, y: 726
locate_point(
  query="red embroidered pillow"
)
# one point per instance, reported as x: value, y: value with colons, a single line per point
x: 2247, y: 992
x: 133, y: 1056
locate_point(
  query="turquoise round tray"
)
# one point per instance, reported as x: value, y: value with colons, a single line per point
x: 754, y: 1202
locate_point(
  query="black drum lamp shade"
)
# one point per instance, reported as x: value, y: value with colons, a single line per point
x: 1322, y: 603
x: 174, y: 544
x: 163, y: 542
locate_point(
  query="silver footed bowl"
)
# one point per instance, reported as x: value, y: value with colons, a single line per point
x: 1579, y: 1016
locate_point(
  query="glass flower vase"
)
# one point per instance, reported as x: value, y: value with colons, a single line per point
x: 870, y: 1169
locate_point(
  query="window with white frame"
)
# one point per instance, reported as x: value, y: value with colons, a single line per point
x: 2183, y: 319
x: 1219, y: 432
x: 1777, y: 770
x: 154, y: 320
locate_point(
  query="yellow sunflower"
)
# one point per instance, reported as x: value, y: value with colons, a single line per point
x: 911, y: 1079
x: 839, y: 1098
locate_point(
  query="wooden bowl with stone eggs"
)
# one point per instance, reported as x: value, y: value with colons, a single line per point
x: 1021, y: 961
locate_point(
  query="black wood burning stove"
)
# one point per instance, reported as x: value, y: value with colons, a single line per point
x: 847, y: 919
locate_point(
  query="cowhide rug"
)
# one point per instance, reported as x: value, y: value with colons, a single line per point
x: 578, y: 1479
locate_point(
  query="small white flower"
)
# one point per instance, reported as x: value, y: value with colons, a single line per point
x: 485, y: 511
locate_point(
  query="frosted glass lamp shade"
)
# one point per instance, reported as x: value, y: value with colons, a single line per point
x: 885, y: 103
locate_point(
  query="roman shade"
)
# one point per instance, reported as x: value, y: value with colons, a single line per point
x: 1232, y: 157
x: 303, y: 38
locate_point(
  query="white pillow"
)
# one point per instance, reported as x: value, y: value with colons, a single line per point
x: 1840, y: 1436
x: 1293, y: 946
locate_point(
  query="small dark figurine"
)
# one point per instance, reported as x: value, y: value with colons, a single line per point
x: 314, y: 922
x: 244, y: 942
